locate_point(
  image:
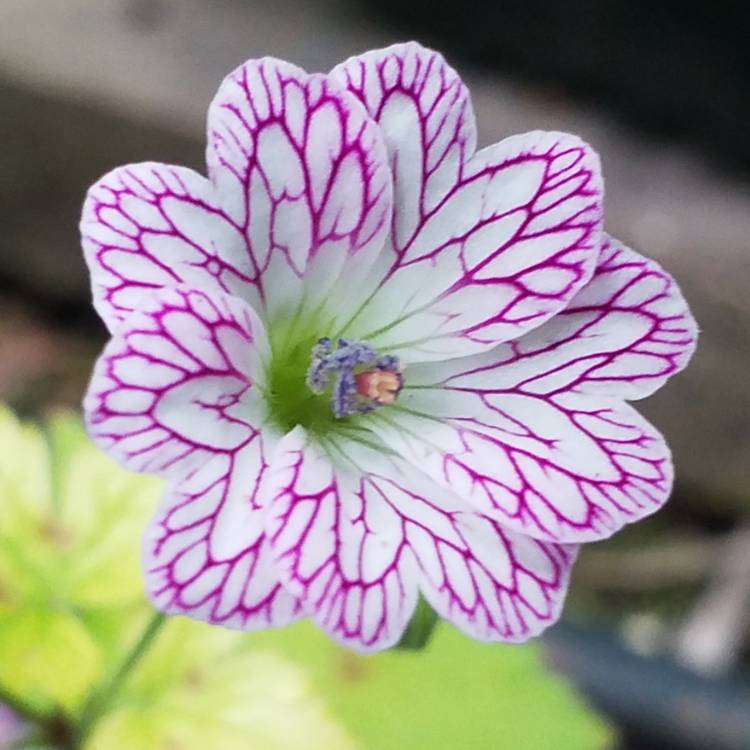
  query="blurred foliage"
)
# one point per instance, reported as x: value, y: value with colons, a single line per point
x: 457, y: 693
x: 71, y: 604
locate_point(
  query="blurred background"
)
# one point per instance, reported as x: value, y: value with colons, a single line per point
x: 657, y: 627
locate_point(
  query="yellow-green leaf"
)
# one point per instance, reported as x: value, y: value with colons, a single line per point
x: 203, y: 687
x: 47, y: 658
x: 456, y: 693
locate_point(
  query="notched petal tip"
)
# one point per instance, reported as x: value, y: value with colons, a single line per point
x: 643, y: 288
x: 297, y: 159
x: 148, y: 226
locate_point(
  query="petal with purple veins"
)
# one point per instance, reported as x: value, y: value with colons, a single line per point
x: 428, y: 123
x: 178, y: 382
x: 205, y: 554
x: 485, y: 246
x: 147, y: 226
x: 566, y: 468
x: 357, y: 532
x: 338, y: 546
x: 302, y: 168
x: 493, y: 584
x: 623, y: 335
x: 535, y: 433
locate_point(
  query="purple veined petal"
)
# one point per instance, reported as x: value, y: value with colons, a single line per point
x: 484, y: 246
x: 205, y: 554
x: 534, y: 433
x: 428, y: 123
x: 623, y: 335
x: 177, y: 383
x: 338, y: 546
x: 355, y: 539
x: 492, y: 583
x: 147, y: 226
x: 300, y: 166
x: 567, y: 468
x: 630, y: 324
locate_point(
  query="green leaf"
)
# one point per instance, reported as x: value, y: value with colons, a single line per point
x: 203, y: 687
x: 70, y: 519
x: 25, y: 549
x: 47, y: 658
x: 71, y: 522
x: 456, y: 693
x: 103, y: 511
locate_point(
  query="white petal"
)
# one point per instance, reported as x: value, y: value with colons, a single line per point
x: 484, y: 246
x: 205, y: 554
x: 296, y: 161
x: 145, y: 226
x: 178, y: 382
x: 535, y: 434
x: 356, y: 550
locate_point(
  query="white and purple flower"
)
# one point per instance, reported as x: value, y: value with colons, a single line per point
x: 372, y: 362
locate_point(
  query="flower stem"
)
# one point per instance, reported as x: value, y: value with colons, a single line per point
x: 419, y: 629
x: 101, y: 698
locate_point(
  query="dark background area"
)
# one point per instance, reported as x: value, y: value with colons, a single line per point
x: 675, y: 68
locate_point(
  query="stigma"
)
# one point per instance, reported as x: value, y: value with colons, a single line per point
x: 359, y: 378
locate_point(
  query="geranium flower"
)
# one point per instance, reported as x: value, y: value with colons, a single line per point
x: 373, y: 362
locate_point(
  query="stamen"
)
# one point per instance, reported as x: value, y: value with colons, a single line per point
x: 359, y: 378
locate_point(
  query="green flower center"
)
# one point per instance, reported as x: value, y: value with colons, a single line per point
x: 324, y: 387
x: 290, y: 401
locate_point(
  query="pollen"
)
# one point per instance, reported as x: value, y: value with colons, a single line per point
x: 382, y: 386
x: 358, y: 378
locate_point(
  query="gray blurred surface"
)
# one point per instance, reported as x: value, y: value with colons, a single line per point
x: 88, y: 84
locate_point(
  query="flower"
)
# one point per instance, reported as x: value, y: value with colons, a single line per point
x: 372, y: 362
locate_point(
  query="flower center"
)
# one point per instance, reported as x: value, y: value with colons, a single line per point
x: 359, y: 379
